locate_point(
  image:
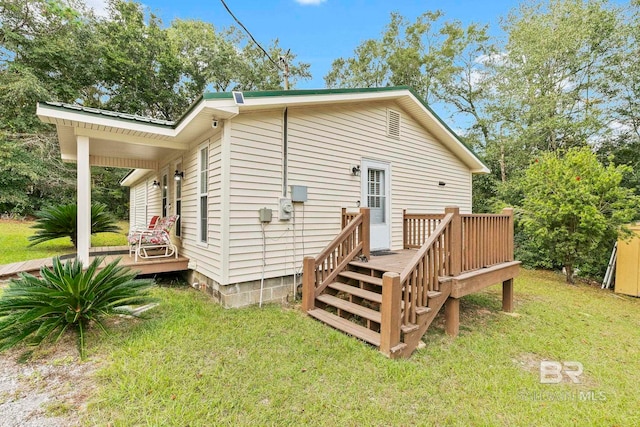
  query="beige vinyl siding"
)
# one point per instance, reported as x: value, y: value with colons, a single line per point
x: 204, y: 258
x: 256, y: 182
x: 323, y: 145
x: 144, y: 202
x: 154, y: 199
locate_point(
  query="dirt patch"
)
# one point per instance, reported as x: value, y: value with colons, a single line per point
x: 44, y: 389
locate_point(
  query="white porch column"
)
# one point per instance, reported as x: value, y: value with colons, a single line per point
x: 84, y: 199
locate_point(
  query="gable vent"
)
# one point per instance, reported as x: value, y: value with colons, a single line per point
x: 393, y: 124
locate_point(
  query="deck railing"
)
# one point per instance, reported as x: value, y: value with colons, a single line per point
x: 486, y: 239
x: 417, y: 228
x: 320, y: 271
x: 422, y: 273
x: 449, y: 245
x: 412, y: 286
x: 347, y: 217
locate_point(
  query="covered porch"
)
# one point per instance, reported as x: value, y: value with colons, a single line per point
x: 92, y: 137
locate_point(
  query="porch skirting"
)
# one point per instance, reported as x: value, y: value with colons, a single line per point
x: 276, y: 289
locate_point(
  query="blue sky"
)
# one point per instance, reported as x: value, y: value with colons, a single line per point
x: 319, y: 31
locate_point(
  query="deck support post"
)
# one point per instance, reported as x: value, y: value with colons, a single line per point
x: 308, y: 283
x: 507, y: 296
x: 366, y: 232
x: 452, y: 316
x: 390, y: 313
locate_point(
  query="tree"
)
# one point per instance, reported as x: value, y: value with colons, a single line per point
x: 436, y: 58
x: 139, y: 68
x: 57, y: 50
x: 574, y: 203
x: 62, y: 221
x: 45, y: 55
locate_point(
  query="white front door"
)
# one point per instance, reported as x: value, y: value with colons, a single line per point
x: 376, y: 195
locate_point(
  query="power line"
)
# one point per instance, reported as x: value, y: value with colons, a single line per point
x: 250, y: 35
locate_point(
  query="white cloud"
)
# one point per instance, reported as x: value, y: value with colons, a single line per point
x: 99, y: 7
x: 310, y: 2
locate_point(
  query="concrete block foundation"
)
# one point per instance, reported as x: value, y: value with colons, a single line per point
x: 276, y: 289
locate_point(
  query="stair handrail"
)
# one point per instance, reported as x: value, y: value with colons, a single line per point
x: 319, y: 272
x: 422, y: 273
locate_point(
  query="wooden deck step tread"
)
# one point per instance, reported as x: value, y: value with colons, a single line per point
x: 346, y: 326
x: 433, y: 294
x: 350, y: 307
x: 367, y: 265
x: 409, y: 328
x: 362, y: 277
x: 362, y: 293
x: 422, y: 310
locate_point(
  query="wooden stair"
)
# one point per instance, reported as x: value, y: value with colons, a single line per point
x: 352, y: 304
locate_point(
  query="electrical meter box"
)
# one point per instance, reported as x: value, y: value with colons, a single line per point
x: 265, y: 214
x: 286, y: 208
x: 298, y: 193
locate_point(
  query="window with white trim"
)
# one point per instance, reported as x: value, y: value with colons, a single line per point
x: 203, y: 193
x: 165, y: 194
x: 178, y: 209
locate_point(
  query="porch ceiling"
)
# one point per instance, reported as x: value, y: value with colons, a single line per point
x: 105, y: 150
x: 127, y: 141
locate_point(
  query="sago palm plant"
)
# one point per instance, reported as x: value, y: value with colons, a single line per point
x: 66, y: 297
x: 61, y: 221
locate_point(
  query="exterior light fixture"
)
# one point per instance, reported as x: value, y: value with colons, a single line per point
x: 155, y: 185
x: 178, y: 176
x: 355, y: 170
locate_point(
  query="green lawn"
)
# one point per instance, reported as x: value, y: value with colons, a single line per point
x: 195, y: 363
x: 14, y: 235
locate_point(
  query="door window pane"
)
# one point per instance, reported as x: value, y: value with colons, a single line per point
x: 376, y: 198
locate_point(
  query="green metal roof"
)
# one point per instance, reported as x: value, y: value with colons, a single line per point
x: 111, y: 114
x: 255, y: 94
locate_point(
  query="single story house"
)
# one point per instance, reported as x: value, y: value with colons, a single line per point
x: 264, y: 175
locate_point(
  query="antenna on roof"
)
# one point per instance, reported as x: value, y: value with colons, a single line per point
x: 284, y: 66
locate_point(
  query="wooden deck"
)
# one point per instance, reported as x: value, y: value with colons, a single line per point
x: 110, y: 254
x: 389, y: 299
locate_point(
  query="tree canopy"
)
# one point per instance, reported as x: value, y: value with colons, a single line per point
x: 129, y: 61
x: 566, y: 75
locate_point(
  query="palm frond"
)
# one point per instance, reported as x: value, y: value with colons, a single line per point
x: 34, y: 309
x: 61, y: 221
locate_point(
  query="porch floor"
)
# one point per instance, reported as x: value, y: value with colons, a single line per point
x: 110, y: 254
x: 392, y: 261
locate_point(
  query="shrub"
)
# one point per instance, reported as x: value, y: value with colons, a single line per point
x: 33, y: 309
x: 61, y: 221
x: 573, y: 205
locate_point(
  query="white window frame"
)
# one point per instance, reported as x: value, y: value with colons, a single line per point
x: 203, y: 184
x: 177, y: 200
x: 164, y: 193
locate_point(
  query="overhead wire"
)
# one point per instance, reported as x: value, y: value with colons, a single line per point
x: 250, y: 35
